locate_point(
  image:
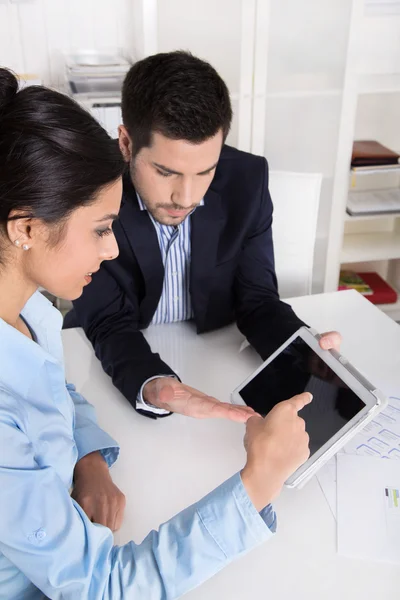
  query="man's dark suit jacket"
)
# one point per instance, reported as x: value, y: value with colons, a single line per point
x: 232, y: 275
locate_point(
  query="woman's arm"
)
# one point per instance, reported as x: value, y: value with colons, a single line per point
x: 47, y: 535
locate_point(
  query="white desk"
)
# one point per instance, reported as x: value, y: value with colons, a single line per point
x: 167, y: 464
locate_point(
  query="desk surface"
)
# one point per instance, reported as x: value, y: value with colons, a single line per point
x: 167, y: 464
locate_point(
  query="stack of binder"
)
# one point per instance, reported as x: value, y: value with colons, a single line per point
x: 95, y: 74
x: 370, y: 158
x: 95, y: 80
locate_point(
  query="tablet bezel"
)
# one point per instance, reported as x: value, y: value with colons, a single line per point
x: 373, y: 399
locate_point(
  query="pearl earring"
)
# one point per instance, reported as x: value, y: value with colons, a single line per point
x: 17, y: 242
x: 25, y: 247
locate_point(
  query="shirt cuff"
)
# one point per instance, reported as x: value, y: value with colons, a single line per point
x: 102, y: 443
x: 146, y: 406
x: 229, y: 508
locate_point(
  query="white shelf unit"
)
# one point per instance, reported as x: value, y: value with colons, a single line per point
x: 370, y: 111
x: 373, y: 244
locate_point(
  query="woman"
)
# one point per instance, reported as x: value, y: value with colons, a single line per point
x: 60, y: 190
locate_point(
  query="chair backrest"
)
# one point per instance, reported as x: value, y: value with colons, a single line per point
x: 295, y: 197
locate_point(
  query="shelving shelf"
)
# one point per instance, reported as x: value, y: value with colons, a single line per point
x: 392, y: 310
x: 363, y: 247
x: 388, y: 200
x: 379, y: 170
x: 379, y: 83
x: 372, y: 217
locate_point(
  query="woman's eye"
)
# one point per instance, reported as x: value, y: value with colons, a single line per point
x: 103, y: 232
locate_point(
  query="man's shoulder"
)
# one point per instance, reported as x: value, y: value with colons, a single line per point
x: 238, y: 159
x: 239, y: 171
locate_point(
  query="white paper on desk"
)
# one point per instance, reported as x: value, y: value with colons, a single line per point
x: 326, y: 478
x: 381, y: 437
x: 368, y: 508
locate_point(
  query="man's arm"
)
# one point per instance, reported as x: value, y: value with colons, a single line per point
x: 261, y: 316
x: 110, y: 321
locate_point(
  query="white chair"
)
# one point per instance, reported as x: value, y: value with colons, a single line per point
x: 295, y: 197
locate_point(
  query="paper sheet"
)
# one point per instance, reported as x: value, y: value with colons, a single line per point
x: 368, y: 508
x: 381, y: 437
x: 326, y: 477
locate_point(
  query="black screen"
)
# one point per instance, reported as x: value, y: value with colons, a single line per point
x: 299, y: 369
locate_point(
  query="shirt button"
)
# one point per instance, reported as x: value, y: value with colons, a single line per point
x: 176, y: 298
x: 37, y: 536
x: 40, y: 534
x: 174, y: 273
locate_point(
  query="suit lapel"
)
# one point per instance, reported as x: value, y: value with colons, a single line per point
x: 143, y: 240
x: 206, y: 226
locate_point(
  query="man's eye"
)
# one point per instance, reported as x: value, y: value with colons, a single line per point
x: 163, y: 173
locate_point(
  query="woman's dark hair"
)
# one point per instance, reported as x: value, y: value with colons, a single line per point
x: 54, y: 156
x: 175, y: 94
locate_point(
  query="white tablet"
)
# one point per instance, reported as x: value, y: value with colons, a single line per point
x: 343, y: 400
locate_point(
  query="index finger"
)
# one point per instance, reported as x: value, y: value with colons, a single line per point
x: 224, y: 410
x: 301, y: 400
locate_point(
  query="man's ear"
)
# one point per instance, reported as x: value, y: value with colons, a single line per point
x: 125, y: 143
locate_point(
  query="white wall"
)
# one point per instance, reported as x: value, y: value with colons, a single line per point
x: 300, y: 113
x: 34, y: 35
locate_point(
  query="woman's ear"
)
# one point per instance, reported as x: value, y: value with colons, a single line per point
x: 24, y: 231
x: 19, y: 228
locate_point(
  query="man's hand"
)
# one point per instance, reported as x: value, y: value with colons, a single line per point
x: 276, y: 446
x: 167, y: 393
x: 330, y: 340
x: 96, y: 493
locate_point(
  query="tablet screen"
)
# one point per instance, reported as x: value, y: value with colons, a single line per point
x: 299, y: 369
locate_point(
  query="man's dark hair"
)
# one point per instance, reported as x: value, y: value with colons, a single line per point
x: 177, y: 95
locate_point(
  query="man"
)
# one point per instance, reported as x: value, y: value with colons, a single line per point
x: 194, y: 235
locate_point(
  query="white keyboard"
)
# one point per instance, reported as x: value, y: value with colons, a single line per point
x: 373, y: 202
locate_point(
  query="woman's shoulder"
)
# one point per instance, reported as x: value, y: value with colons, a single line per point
x: 39, y: 309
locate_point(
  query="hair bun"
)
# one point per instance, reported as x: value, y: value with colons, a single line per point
x: 8, y: 87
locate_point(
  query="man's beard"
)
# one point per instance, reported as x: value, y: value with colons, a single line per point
x: 154, y: 209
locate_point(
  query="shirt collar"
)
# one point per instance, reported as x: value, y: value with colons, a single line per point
x: 22, y: 358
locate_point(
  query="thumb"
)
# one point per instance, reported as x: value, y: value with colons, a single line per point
x: 253, y: 423
x: 166, y: 393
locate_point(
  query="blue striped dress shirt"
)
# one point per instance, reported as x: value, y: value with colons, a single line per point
x: 175, y: 303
